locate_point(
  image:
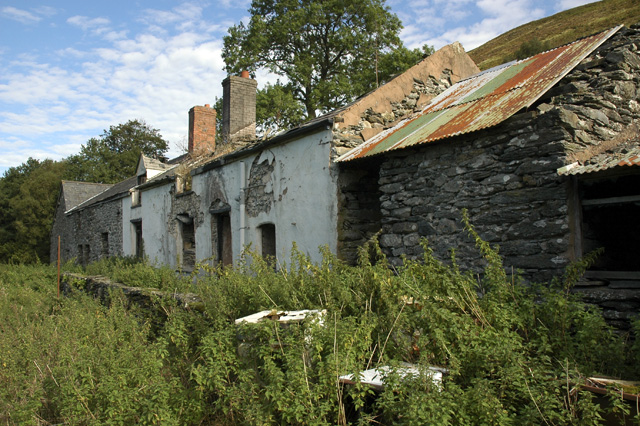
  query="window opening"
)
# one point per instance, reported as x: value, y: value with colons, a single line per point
x: 610, y: 211
x: 188, y: 244
x: 105, y: 244
x: 223, y: 237
x: 138, y: 249
x: 268, y: 242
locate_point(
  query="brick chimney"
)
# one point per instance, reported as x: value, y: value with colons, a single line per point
x: 202, y: 129
x: 239, y: 109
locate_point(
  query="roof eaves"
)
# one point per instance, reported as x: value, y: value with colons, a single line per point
x: 282, y: 138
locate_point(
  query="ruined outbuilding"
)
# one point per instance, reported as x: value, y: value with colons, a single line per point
x: 542, y: 153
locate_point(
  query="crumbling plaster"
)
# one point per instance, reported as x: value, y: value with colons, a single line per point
x: 290, y: 185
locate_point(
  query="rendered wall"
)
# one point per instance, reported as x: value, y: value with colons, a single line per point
x: 291, y: 186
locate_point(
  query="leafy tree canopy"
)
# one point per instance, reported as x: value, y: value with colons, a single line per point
x: 28, y: 196
x: 113, y: 156
x: 328, y: 51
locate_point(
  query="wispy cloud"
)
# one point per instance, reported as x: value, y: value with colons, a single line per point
x: 124, y: 77
x: 568, y: 4
x: 94, y: 25
x: 20, y: 15
x: 496, y: 17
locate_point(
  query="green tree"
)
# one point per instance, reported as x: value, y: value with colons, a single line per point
x: 113, y: 156
x: 28, y: 195
x: 277, y: 108
x: 327, y: 50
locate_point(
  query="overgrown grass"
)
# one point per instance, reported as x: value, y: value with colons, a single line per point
x: 515, y: 353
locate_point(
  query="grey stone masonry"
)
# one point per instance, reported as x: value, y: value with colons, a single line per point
x: 95, y: 232
x: 359, y: 208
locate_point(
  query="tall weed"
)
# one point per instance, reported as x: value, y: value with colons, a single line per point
x: 515, y: 353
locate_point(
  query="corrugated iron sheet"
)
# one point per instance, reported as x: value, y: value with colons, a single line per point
x: 624, y: 155
x: 484, y: 100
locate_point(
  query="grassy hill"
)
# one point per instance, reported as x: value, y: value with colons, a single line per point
x: 558, y: 29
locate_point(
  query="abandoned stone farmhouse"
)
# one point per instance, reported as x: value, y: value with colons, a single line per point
x: 543, y: 153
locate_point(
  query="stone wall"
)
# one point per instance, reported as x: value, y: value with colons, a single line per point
x: 101, y: 289
x: 505, y: 177
x: 372, y: 122
x: 93, y: 233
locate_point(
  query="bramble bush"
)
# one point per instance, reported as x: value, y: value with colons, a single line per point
x: 515, y: 353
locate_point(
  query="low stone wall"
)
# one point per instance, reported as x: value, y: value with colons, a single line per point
x: 101, y: 288
x: 616, y: 294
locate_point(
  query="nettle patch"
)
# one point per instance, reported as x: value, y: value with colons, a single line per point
x: 328, y: 344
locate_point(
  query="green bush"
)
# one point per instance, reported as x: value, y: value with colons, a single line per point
x: 515, y: 353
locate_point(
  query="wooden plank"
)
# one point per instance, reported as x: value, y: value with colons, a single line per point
x: 613, y: 275
x: 611, y: 200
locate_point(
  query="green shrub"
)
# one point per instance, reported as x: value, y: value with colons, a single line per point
x: 515, y: 353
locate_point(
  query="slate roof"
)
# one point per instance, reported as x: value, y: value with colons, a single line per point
x: 483, y: 100
x: 115, y: 191
x: 75, y: 193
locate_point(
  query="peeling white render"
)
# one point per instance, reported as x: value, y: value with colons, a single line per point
x: 289, y: 186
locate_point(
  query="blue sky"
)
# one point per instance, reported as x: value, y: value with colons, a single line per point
x: 70, y: 69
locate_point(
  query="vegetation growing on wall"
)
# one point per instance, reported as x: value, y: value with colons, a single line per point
x: 515, y: 354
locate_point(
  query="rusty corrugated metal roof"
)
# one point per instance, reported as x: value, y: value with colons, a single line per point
x: 484, y: 100
x: 623, y: 155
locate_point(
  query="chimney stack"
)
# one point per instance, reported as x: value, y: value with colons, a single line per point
x: 202, y: 130
x: 239, y: 109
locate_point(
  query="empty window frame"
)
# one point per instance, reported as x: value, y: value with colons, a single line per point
x: 221, y: 238
x: 138, y: 249
x: 188, y: 236
x: 268, y: 241
x: 105, y: 244
x: 136, y: 198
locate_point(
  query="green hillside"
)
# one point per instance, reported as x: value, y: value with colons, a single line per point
x: 558, y: 29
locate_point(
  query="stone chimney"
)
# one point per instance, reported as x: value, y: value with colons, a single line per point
x: 239, y: 109
x: 202, y: 130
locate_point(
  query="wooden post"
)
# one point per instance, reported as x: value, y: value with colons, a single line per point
x: 58, y: 266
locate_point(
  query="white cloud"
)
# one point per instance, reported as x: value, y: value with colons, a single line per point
x: 46, y: 11
x: 20, y: 15
x: 496, y: 17
x: 570, y: 4
x: 94, y: 25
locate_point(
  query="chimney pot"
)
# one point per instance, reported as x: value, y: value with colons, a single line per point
x: 207, y: 105
x: 244, y: 74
